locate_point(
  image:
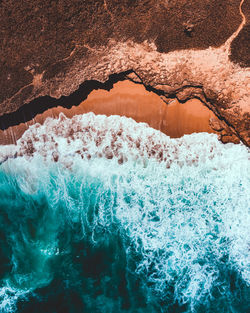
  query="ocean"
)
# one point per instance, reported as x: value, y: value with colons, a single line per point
x: 103, y: 214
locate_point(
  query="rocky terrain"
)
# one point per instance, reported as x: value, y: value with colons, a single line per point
x: 56, y: 52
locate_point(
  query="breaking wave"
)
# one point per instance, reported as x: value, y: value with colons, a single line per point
x: 103, y: 214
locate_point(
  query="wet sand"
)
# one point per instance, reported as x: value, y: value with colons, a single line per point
x: 131, y: 100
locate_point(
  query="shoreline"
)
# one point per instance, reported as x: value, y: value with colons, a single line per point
x: 131, y: 100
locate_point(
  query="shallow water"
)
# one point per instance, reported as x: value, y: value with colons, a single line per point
x: 102, y: 214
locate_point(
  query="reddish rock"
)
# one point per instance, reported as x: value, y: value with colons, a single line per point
x: 60, y: 49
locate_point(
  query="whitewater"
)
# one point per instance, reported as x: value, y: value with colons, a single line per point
x: 103, y: 214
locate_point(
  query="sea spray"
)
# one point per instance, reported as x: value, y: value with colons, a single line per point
x: 103, y: 214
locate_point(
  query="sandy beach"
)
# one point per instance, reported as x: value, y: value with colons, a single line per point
x: 130, y: 100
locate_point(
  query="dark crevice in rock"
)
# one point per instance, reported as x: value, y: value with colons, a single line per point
x: 204, y: 99
x: 215, y: 110
x: 39, y: 105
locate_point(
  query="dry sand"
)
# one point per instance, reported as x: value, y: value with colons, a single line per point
x: 131, y: 100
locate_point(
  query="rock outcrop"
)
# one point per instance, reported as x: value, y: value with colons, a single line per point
x: 176, y: 48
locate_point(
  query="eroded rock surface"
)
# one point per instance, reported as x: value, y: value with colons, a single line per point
x: 177, y: 48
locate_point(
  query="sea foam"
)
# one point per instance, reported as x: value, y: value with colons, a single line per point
x: 169, y: 217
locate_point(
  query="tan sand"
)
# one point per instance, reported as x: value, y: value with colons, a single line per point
x: 131, y: 100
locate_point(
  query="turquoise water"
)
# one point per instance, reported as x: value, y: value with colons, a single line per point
x: 162, y: 231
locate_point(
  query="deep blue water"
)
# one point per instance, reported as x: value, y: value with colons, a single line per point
x: 101, y: 236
